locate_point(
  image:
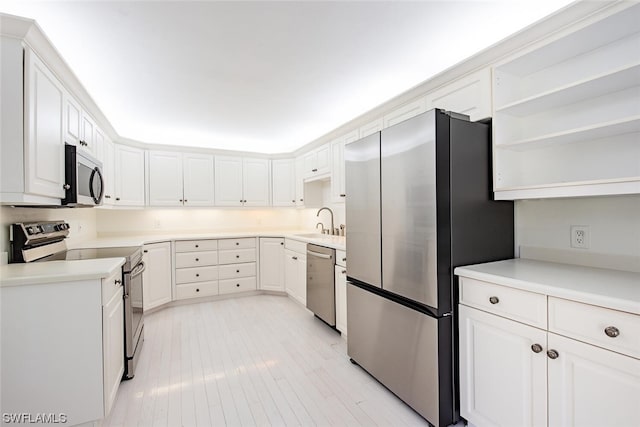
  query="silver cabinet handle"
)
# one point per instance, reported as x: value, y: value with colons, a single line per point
x: 612, y: 331
x: 318, y: 254
x: 294, y: 257
x: 494, y: 300
x: 344, y: 271
x: 536, y: 348
x: 552, y: 354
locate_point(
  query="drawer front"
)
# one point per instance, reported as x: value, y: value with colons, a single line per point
x: 111, y: 285
x: 196, y: 259
x: 195, y: 290
x: 614, y: 330
x: 295, y: 245
x: 522, y: 306
x: 236, y: 256
x: 237, y: 243
x: 232, y: 271
x: 196, y: 245
x: 197, y: 274
x: 341, y: 258
x: 243, y: 284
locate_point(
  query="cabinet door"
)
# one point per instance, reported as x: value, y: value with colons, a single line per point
x: 87, y: 134
x: 590, y: 386
x: 228, y: 181
x: 503, y: 382
x: 108, y: 171
x: 283, y: 176
x: 341, y: 299
x: 337, y: 166
x: 165, y: 178
x: 112, y: 348
x: 290, y: 271
x: 198, y: 179
x: 256, y: 182
x: 99, y: 138
x: 301, y: 282
x: 44, y: 141
x: 272, y: 264
x: 72, y: 118
x: 129, y: 177
x: 310, y: 164
x: 323, y: 159
x: 156, y: 279
x: 300, y: 162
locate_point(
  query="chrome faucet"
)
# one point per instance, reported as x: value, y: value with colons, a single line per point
x: 331, y: 230
x: 321, y: 227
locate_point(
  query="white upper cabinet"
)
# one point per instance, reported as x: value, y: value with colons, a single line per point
x: 405, y: 112
x: 129, y: 176
x: 108, y: 171
x: 241, y: 181
x: 299, y: 177
x: 567, y: 112
x: 469, y: 95
x: 72, y: 120
x: 337, y: 165
x: 44, y: 140
x: 197, y: 172
x: 317, y: 163
x: 88, y: 134
x: 283, y: 179
x: 165, y: 178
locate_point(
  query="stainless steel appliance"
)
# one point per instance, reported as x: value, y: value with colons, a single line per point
x: 418, y: 204
x: 44, y: 241
x: 321, y: 291
x: 84, y: 184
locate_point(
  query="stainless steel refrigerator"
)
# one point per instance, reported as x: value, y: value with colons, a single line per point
x: 418, y: 204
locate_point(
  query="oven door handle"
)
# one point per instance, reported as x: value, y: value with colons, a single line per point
x: 138, y: 269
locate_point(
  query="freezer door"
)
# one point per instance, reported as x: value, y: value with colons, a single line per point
x: 408, y: 173
x: 362, y: 181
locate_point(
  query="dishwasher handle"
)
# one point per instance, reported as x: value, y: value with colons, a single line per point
x: 318, y: 254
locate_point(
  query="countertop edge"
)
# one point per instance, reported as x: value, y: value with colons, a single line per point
x: 12, y: 275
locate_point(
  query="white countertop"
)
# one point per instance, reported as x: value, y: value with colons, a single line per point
x: 614, y: 289
x: 58, y: 271
x: 335, y: 242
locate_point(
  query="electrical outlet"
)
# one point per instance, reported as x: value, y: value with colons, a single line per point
x: 580, y: 236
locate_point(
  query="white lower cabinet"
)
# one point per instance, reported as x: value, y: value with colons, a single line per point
x: 272, y: 264
x: 237, y: 259
x: 196, y: 268
x: 513, y: 373
x: 503, y: 382
x: 112, y: 347
x: 295, y: 270
x: 156, y: 278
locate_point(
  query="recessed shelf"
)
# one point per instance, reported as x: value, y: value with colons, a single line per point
x: 616, y: 80
x: 628, y: 185
x: 585, y: 133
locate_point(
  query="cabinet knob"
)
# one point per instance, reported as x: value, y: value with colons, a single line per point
x: 185, y: 200
x: 180, y: 200
x: 237, y: 243
x: 536, y: 348
x: 197, y: 246
x: 117, y: 282
x: 344, y: 259
x: 302, y: 200
x: 612, y: 331
x: 343, y: 195
x: 240, y: 201
x: 146, y: 251
x: 197, y: 289
x: 237, y: 271
x: 106, y: 196
x: 197, y: 274
x: 494, y: 300
x: 294, y: 257
x: 552, y: 354
x: 282, y: 243
x: 117, y: 198
x: 293, y: 201
x: 66, y: 186
x: 197, y: 259
x: 314, y: 170
x: 344, y: 271
x: 237, y: 256
x: 237, y: 285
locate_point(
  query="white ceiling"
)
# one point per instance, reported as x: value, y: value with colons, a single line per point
x: 262, y: 76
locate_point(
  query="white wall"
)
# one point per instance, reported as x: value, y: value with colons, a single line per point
x: 82, y: 221
x: 614, y: 223
x: 156, y: 220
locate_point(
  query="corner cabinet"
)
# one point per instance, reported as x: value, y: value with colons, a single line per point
x: 567, y: 115
x: 129, y: 176
x: 338, y: 166
x: 283, y: 179
x: 295, y: 270
x: 272, y: 264
x: 530, y: 359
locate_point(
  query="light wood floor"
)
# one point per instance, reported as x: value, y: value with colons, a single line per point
x: 253, y: 361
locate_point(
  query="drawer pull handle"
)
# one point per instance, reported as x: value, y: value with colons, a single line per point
x: 238, y: 285
x: 494, y: 300
x: 294, y: 257
x: 612, y: 331
x: 237, y: 271
x: 344, y: 271
x: 197, y: 246
x: 237, y: 256
x: 237, y: 243
x: 197, y: 275
x: 197, y: 289
x: 344, y: 259
x: 117, y: 282
x: 197, y: 259
x: 552, y: 354
x: 536, y: 348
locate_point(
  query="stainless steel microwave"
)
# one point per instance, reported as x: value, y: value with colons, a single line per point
x: 84, y: 184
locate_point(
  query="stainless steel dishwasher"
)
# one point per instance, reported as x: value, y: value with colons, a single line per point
x: 321, y: 291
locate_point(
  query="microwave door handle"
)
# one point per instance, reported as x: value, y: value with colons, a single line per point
x: 97, y: 199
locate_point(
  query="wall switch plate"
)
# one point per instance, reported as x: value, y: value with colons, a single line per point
x: 580, y: 236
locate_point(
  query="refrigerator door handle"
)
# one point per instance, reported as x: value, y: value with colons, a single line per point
x: 318, y: 254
